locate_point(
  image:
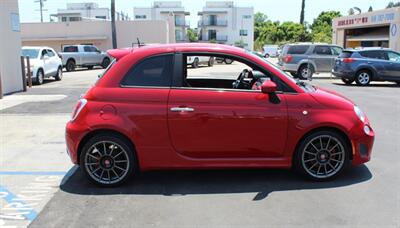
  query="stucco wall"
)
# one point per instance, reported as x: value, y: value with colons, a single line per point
x: 10, y: 48
x: 57, y: 34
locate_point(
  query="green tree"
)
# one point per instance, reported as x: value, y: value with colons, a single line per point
x: 192, y: 35
x: 259, y: 20
x: 392, y: 4
x: 303, y: 6
x: 322, y: 26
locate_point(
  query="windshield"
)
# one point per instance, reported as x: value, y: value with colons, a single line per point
x: 304, y: 85
x: 31, y: 53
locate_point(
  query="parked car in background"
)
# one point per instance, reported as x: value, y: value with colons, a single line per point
x: 304, y: 59
x: 270, y: 51
x: 195, y: 61
x: 44, y: 63
x: 366, y: 65
x: 148, y: 112
x: 84, y: 56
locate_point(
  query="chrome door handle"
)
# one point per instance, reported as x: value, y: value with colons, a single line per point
x: 181, y: 109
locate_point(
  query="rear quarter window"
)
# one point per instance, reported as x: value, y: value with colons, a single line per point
x: 373, y: 54
x: 298, y: 49
x: 153, y: 72
x: 346, y: 54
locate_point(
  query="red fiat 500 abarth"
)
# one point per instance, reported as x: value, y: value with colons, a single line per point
x: 150, y: 110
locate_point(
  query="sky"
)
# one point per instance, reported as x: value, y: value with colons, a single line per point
x: 281, y: 10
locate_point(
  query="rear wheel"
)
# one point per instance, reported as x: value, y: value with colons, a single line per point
x: 105, y: 63
x: 322, y: 155
x: 363, y: 78
x: 228, y: 61
x: 305, y: 71
x: 70, y: 65
x: 211, y: 62
x: 347, y: 81
x: 107, y: 160
x: 59, y: 75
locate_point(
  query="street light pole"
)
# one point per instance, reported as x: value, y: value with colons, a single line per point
x: 113, y: 29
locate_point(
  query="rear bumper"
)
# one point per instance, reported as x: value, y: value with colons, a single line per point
x: 288, y: 67
x: 74, y: 133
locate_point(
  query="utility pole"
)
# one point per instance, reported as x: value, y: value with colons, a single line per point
x: 113, y: 30
x: 41, y: 5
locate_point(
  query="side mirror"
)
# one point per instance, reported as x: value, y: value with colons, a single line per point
x: 269, y: 87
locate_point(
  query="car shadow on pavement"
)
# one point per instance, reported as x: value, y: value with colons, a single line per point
x: 194, y: 182
x: 388, y: 85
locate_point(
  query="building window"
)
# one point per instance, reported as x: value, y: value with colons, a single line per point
x: 101, y: 17
x: 243, y: 32
x: 75, y: 19
x: 63, y: 19
x: 246, y: 16
x: 140, y: 16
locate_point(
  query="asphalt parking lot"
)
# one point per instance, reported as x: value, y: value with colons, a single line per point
x: 39, y: 186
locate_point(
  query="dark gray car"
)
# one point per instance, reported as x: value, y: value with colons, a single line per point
x: 304, y: 59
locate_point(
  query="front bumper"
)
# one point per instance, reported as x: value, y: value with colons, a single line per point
x: 362, y: 145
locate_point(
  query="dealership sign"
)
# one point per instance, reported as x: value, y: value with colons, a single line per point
x: 377, y: 18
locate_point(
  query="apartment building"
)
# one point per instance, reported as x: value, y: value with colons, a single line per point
x: 223, y: 22
x: 82, y: 12
x: 163, y: 11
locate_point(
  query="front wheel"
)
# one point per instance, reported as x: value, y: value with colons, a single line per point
x: 107, y: 160
x: 347, y: 81
x: 195, y: 63
x: 322, y: 155
x: 39, y: 77
x: 211, y: 62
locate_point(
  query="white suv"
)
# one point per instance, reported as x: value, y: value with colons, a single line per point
x: 44, y: 63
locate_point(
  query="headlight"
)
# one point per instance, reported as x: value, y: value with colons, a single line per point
x: 359, y: 113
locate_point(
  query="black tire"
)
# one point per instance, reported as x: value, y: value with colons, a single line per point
x: 121, y: 144
x: 219, y: 60
x: 58, y: 75
x: 305, y: 161
x: 294, y: 74
x: 363, y: 77
x: 398, y: 83
x: 195, y: 63
x: 347, y: 81
x: 211, y: 62
x: 266, y: 56
x: 228, y: 61
x: 70, y: 65
x: 39, y: 77
x: 301, y: 73
x: 90, y: 67
x: 105, y: 63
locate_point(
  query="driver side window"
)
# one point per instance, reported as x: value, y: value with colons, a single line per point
x: 216, y: 72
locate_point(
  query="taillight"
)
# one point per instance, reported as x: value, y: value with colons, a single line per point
x: 78, y: 108
x: 287, y: 58
x: 348, y: 60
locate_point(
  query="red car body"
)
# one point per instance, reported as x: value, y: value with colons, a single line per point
x: 228, y: 129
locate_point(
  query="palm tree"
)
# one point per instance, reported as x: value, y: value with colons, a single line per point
x: 303, y: 6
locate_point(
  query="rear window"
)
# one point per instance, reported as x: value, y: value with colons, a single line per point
x: 71, y: 49
x: 298, y: 49
x: 346, y: 54
x: 373, y: 54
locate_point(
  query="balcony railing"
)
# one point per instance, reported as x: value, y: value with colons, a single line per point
x: 213, y: 23
x: 218, y: 38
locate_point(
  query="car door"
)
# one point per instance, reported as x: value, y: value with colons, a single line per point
x: 393, y: 64
x: 87, y: 56
x: 97, y: 56
x: 45, y: 58
x: 322, y: 57
x: 53, y: 62
x: 226, y: 123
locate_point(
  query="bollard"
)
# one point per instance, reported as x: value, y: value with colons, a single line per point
x: 23, y: 73
x: 28, y: 67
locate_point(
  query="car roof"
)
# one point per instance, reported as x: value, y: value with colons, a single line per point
x: 36, y: 47
x: 368, y: 49
x: 181, y: 47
